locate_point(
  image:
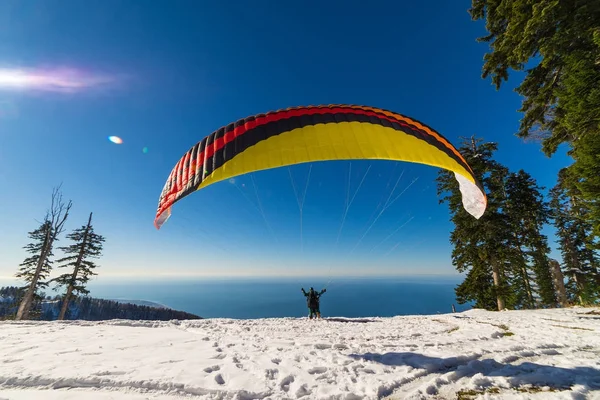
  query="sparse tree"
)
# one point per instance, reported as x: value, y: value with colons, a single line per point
x: 53, y: 226
x: 29, y: 267
x: 86, y: 245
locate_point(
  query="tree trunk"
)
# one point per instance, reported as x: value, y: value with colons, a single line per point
x: 580, y: 286
x: 527, y: 287
x: 559, y: 283
x: 25, y: 306
x: 496, y: 274
x: 65, y: 304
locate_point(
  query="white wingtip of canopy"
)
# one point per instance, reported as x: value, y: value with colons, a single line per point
x: 473, y: 198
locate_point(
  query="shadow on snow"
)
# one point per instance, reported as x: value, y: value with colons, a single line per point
x: 526, y: 373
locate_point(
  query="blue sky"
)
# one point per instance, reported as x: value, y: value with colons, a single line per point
x: 162, y: 75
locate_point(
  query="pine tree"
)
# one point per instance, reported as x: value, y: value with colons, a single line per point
x: 580, y: 262
x: 52, y: 227
x: 587, y: 173
x: 480, y: 246
x: 520, y: 274
x: 561, y: 89
x: 528, y: 213
x: 29, y: 265
x: 87, y: 244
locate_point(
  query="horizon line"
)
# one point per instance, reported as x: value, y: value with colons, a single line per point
x: 172, y: 276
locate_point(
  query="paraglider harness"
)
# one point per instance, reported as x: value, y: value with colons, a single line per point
x: 312, y: 301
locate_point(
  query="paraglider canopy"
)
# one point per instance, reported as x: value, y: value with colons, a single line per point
x: 315, y: 133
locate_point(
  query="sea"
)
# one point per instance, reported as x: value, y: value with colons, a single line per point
x: 276, y: 298
x: 244, y: 298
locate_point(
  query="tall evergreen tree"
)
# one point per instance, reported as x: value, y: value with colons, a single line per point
x: 586, y: 174
x: 29, y: 272
x: 53, y: 227
x: 528, y: 213
x: 86, y: 245
x: 520, y: 276
x: 559, y: 44
x: 480, y: 246
x: 581, y: 263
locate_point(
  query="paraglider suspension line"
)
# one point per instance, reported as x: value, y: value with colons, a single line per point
x: 387, y: 205
x: 301, y: 201
x: 262, y: 211
x: 349, y: 201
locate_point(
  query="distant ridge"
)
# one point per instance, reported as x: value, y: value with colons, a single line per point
x: 146, y: 303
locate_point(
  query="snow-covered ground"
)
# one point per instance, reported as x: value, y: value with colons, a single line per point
x: 542, y: 354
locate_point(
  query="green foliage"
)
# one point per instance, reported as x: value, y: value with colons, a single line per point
x: 528, y: 212
x: 585, y: 178
x: 86, y: 245
x: 479, y: 244
x: 507, y: 237
x: 557, y: 44
x: 581, y: 263
x: 563, y: 37
x: 27, y: 269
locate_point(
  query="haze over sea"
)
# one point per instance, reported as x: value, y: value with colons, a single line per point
x: 281, y: 297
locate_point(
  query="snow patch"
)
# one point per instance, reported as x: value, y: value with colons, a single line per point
x: 412, y: 357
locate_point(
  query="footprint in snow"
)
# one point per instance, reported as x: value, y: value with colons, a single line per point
x: 219, y: 379
x: 303, y: 391
x: 170, y: 361
x: 271, y: 373
x: 276, y: 360
x: 510, y: 359
x: 12, y: 360
x: 317, y: 370
x: 549, y: 352
x: 366, y: 370
x: 108, y: 373
x: 219, y: 356
x: 322, y: 346
x: 214, y: 368
x: 285, y: 383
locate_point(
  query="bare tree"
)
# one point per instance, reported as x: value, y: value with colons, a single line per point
x: 56, y: 217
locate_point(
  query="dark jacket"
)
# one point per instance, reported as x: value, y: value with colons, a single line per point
x: 312, y: 297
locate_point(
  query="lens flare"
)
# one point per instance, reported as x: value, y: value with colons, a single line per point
x: 115, y: 139
x: 66, y: 80
x: 145, y: 150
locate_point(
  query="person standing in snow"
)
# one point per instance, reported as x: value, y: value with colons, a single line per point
x: 313, y: 302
